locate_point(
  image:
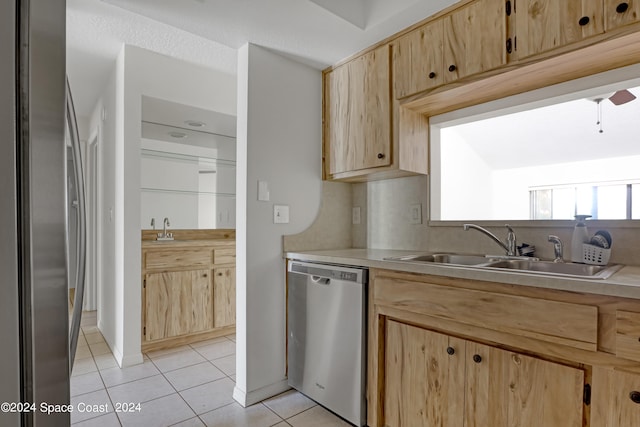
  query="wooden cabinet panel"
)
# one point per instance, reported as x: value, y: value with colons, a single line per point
x: 614, y: 398
x: 171, y: 259
x: 178, y: 303
x: 619, y: 13
x: 509, y: 389
x: 424, y: 385
x: 542, y: 25
x: 358, y: 113
x: 569, y: 324
x: 417, y: 60
x: 224, y: 297
x: 474, y: 39
x: 224, y: 256
x: 628, y: 335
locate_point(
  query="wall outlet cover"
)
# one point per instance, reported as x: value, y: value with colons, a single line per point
x: 280, y: 214
x: 263, y: 191
x: 415, y: 214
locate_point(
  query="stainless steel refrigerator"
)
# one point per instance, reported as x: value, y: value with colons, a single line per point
x: 35, y: 334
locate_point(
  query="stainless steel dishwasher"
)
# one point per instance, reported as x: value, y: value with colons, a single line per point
x: 327, y: 308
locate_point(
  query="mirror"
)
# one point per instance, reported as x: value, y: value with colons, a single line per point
x: 544, y: 155
x: 187, y: 166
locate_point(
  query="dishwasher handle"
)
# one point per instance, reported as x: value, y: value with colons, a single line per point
x: 320, y: 280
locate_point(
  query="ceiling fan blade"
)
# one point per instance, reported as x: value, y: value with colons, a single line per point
x: 622, y: 97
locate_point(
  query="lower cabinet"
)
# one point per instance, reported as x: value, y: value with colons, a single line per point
x: 224, y: 297
x: 616, y: 398
x: 178, y: 303
x: 432, y: 379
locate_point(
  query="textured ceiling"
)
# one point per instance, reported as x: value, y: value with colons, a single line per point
x: 208, y: 32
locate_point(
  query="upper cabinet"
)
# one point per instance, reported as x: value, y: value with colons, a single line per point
x: 543, y: 25
x: 358, y: 113
x: 474, y: 39
x: 417, y: 60
x: 619, y: 13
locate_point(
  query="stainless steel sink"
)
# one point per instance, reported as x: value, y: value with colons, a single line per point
x: 521, y: 264
x: 561, y: 269
x: 457, y: 259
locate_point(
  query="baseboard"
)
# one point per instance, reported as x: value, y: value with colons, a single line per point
x: 255, y: 396
x: 128, y: 360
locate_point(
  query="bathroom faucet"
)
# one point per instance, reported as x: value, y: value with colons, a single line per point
x: 153, y: 223
x: 510, y: 247
x: 165, y: 235
x: 557, y: 248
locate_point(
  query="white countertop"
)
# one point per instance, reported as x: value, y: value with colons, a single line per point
x: 623, y: 283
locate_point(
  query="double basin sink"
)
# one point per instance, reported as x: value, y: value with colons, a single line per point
x: 514, y: 264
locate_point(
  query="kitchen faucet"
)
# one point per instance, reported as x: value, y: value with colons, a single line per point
x: 557, y: 248
x: 510, y: 247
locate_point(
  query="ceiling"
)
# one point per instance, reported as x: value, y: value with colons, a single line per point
x: 209, y: 32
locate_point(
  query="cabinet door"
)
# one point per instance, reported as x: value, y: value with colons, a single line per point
x: 542, y: 25
x: 615, y: 398
x: 417, y: 60
x: 224, y: 297
x: 620, y: 12
x: 474, y: 39
x: 509, y: 389
x: 177, y: 303
x: 358, y: 113
x: 424, y: 384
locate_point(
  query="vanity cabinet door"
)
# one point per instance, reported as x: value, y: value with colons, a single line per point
x: 224, y: 297
x: 177, y: 303
x: 619, y: 13
x: 424, y: 378
x: 474, y: 39
x: 543, y: 25
x: 510, y: 389
x: 357, y: 116
x: 417, y: 60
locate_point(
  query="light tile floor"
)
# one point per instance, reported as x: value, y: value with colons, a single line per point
x: 184, y: 386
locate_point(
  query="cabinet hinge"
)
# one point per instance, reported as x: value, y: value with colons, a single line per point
x: 144, y: 331
x: 507, y: 7
x: 144, y: 284
x: 586, y: 398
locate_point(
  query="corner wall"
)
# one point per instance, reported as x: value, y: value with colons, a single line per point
x: 279, y: 141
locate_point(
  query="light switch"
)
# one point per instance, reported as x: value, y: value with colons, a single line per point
x: 263, y: 191
x: 280, y: 214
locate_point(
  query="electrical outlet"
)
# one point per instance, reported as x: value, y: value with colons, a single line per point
x: 415, y: 214
x: 355, y: 215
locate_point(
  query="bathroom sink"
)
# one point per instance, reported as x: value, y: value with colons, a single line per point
x: 561, y: 269
x: 457, y: 259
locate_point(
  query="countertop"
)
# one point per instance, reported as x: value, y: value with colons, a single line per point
x: 624, y: 283
x: 156, y: 244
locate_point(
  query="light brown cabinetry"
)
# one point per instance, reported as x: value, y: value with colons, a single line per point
x: 459, y: 352
x: 474, y: 39
x: 188, y: 293
x: 435, y: 379
x: 619, y: 13
x: 358, y: 113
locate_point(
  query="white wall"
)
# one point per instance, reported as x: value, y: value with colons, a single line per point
x: 138, y: 72
x: 279, y: 141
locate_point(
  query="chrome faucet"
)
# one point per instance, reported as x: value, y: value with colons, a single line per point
x: 557, y: 248
x: 165, y: 235
x: 153, y: 223
x: 510, y: 246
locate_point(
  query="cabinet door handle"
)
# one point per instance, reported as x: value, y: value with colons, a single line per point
x: 635, y: 396
x: 432, y: 75
x: 507, y: 8
x: 452, y: 68
x: 509, y: 45
x: 477, y: 358
x: 204, y: 275
x: 451, y: 351
x: 622, y: 7
x: 381, y: 155
x: 583, y: 21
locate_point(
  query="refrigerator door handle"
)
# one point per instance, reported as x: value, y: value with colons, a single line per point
x: 81, y: 241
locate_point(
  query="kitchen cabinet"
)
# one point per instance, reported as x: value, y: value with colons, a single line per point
x: 358, y: 113
x: 616, y: 397
x: 417, y: 60
x: 435, y: 379
x: 188, y: 291
x: 474, y: 39
x: 543, y: 25
x: 620, y: 13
